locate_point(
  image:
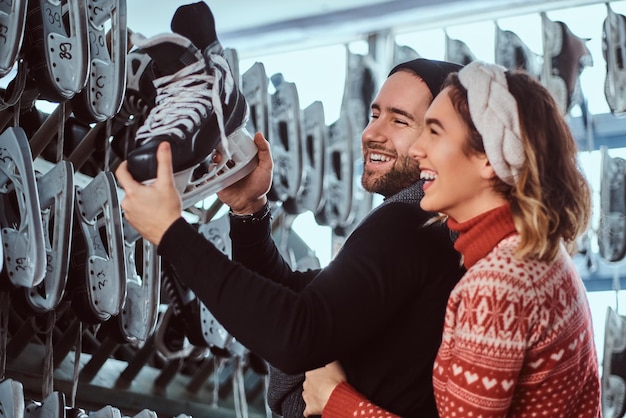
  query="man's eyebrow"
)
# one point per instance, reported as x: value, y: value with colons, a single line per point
x: 395, y: 110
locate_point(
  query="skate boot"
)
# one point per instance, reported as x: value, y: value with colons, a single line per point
x: 614, y: 51
x: 138, y: 101
x: 198, y: 109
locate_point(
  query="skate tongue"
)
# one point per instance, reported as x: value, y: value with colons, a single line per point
x: 170, y: 52
x: 195, y: 22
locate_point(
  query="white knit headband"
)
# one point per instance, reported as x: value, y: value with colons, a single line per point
x: 494, y: 112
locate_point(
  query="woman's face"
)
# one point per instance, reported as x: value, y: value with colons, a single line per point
x: 456, y: 184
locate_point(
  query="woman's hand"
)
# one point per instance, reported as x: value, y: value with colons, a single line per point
x: 318, y: 386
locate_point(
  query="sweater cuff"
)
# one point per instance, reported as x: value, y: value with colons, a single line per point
x: 343, y: 401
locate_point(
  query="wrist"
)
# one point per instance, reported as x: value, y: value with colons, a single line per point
x: 250, y: 208
x: 259, y: 214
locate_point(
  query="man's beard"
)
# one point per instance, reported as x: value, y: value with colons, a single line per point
x: 403, y: 174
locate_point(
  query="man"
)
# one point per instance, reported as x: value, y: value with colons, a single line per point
x: 392, y: 274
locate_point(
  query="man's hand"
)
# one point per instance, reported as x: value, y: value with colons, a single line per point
x: 318, y: 385
x: 248, y: 194
x: 151, y: 209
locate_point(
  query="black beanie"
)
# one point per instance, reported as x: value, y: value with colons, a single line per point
x: 431, y: 71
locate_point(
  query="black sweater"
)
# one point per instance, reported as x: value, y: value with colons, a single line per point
x: 378, y: 307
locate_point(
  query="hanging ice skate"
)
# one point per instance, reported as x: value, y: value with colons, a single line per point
x: 285, y: 140
x: 22, y: 229
x: 56, y: 196
x: 254, y: 85
x: 12, y: 24
x: 213, y: 333
x: 512, y: 53
x: 12, y: 21
x: 57, y: 47
x: 338, y: 174
x: 188, y: 321
x: 614, y: 52
x: 565, y: 56
x: 97, y: 276
x: 612, y: 225
x: 361, y: 87
x: 315, y: 142
x: 403, y: 53
x: 614, y: 366
x: 458, y: 52
x: 139, y: 314
x: 12, y: 398
x: 103, y: 94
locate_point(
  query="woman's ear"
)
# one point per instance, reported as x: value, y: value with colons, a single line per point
x: 487, y: 172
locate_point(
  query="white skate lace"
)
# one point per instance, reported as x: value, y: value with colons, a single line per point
x: 185, y: 98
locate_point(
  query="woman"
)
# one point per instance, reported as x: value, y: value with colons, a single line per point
x: 500, y: 163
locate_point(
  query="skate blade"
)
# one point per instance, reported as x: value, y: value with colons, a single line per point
x: 139, y: 315
x: 12, y: 24
x: 243, y: 160
x: 56, y: 195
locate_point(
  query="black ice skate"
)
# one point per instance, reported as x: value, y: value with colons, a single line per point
x: 198, y: 109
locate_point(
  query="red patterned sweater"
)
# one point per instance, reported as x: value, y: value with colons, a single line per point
x: 517, y: 341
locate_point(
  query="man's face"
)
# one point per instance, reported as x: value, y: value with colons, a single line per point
x: 396, y: 122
